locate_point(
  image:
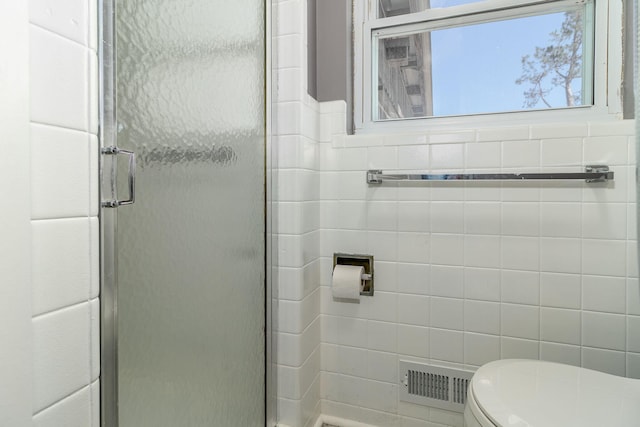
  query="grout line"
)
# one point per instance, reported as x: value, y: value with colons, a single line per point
x: 88, y: 386
x: 50, y: 31
x: 55, y: 310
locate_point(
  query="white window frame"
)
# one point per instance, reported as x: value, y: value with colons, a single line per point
x: 607, y: 63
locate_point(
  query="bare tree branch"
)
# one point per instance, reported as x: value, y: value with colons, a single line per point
x: 555, y: 65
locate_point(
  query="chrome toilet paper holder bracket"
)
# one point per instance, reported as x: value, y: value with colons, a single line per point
x: 364, y: 261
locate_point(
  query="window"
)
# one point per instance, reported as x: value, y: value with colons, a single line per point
x: 468, y: 60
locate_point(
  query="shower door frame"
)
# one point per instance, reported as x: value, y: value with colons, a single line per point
x: 109, y: 220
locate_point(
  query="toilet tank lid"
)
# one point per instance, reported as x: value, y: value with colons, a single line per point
x: 531, y: 393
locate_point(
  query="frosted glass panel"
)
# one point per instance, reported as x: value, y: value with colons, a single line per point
x: 190, y: 103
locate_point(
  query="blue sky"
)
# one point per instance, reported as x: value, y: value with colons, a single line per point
x: 475, y: 67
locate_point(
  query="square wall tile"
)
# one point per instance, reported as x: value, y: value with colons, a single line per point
x: 604, y: 257
x: 482, y: 218
x: 289, y: 84
x: 560, y: 219
x: 483, y: 155
x: 447, y: 249
x: 413, y: 157
x: 386, y: 276
x: 561, y: 152
x: 382, y: 336
x: 482, y: 284
x: 413, y: 340
x: 413, y: 247
x: 59, y: 70
x: 520, y: 287
x: 352, y: 159
x: 525, y: 191
x: 477, y: 191
x: 413, y: 309
x: 60, y: 175
x: 413, y: 216
x: 289, y: 17
x: 445, y: 345
x: 447, y: 217
x: 413, y: 278
x: 352, y: 361
x: 520, y: 321
x: 69, y: 19
x: 560, y: 325
x: 560, y: 290
x: 520, y: 219
x: 290, y: 51
x: 288, y: 382
x: 329, y: 359
x: 382, y: 366
x: 382, y: 306
x: 521, y: 154
x: 520, y: 253
x: 603, y: 330
x: 447, y: 156
x: 447, y: 281
x: 62, y: 262
x: 482, y: 251
x: 560, y: 255
x: 355, y: 242
x: 606, y: 150
x: 447, y: 313
x: 562, y: 192
x: 384, y: 158
x: 604, y: 220
x: 74, y: 410
x: 383, y: 245
x: 382, y: 216
x: 380, y: 396
x: 480, y: 349
x: 602, y: 293
x: 482, y: 317
x: 61, y: 349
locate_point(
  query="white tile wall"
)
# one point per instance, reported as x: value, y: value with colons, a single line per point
x: 297, y: 129
x: 465, y: 273
x: 64, y: 209
x: 544, y: 271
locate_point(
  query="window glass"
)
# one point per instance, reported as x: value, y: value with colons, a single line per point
x: 387, y: 8
x: 530, y: 63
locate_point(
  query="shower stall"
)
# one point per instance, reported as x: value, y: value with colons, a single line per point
x: 185, y: 248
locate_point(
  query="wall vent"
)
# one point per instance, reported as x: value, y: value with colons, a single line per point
x: 435, y: 386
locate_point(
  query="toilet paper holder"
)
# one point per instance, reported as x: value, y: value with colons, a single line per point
x: 364, y: 261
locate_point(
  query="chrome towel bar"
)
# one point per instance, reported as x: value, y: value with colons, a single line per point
x: 592, y: 173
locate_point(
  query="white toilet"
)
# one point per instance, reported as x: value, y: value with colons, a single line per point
x: 531, y: 393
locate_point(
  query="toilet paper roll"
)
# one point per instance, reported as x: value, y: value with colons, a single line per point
x: 347, y: 281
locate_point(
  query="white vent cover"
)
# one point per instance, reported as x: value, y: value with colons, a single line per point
x: 434, y: 386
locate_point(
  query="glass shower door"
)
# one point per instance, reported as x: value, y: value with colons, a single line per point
x: 189, y: 259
